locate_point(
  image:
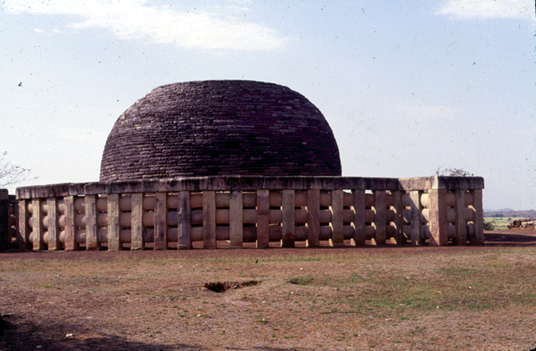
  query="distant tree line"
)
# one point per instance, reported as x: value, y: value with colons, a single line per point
x: 452, y: 172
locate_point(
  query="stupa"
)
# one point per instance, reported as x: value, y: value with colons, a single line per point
x: 220, y: 127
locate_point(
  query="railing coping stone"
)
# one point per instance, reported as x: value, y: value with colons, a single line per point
x: 249, y: 183
x: 441, y: 182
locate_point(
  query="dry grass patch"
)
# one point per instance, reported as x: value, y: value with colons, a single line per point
x: 382, y: 299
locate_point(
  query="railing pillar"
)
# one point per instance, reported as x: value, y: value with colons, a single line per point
x: 337, y: 223
x: 288, y: 223
x: 4, y: 219
x: 184, y: 226
x: 53, y: 233
x: 92, y: 230
x: 380, y: 218
x: 478, y: 220
x: 398, y: 220
x: 461, y: 229
x: 114, y: 229
x: 136, y: 222
x: 416, y: 221
x: 263, y: 218
x: 438, y: 217
x: 236, y: 225
x: 360, y: 208
x: 160, y: 221
x: 209, y: 219
x: 13, y: 226
x: 70, y: 228
x: 37, y: 228
x: 313, y: 219
x: 23, y: 236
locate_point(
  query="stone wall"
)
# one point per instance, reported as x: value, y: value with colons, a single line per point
x: 248, y: 211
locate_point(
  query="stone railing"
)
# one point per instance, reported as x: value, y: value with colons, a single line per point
x: 249, y: 211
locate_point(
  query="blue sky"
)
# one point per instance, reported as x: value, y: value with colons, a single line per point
x: 407, y: 86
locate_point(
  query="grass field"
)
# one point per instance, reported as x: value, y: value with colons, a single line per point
x: 500, y: 223
x: 456, y: 298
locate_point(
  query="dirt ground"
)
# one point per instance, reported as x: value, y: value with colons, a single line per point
x: 381, y: 298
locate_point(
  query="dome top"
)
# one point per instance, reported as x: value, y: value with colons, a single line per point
x: 220, y: 128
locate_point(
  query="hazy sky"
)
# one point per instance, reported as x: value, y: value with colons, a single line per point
x: 407, y: 86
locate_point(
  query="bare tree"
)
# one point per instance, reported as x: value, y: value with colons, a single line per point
x: 452, y: 172
x: 11, y: 174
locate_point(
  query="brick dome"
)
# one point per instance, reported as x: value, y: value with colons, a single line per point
x: 220, y: 128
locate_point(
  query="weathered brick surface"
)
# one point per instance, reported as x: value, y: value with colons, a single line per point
x: 220, y: 128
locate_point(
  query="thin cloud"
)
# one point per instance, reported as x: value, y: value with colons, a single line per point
x: 487, y: 9
x: 225, y: 28
x: 425, y: 112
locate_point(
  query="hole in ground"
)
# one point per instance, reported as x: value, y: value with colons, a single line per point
x: 224, y: 286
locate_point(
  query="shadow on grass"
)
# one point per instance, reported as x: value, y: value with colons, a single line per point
x: 276, y: 349
x: 503, y: 239
x: 28, y: 336
x: 25, y: 336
